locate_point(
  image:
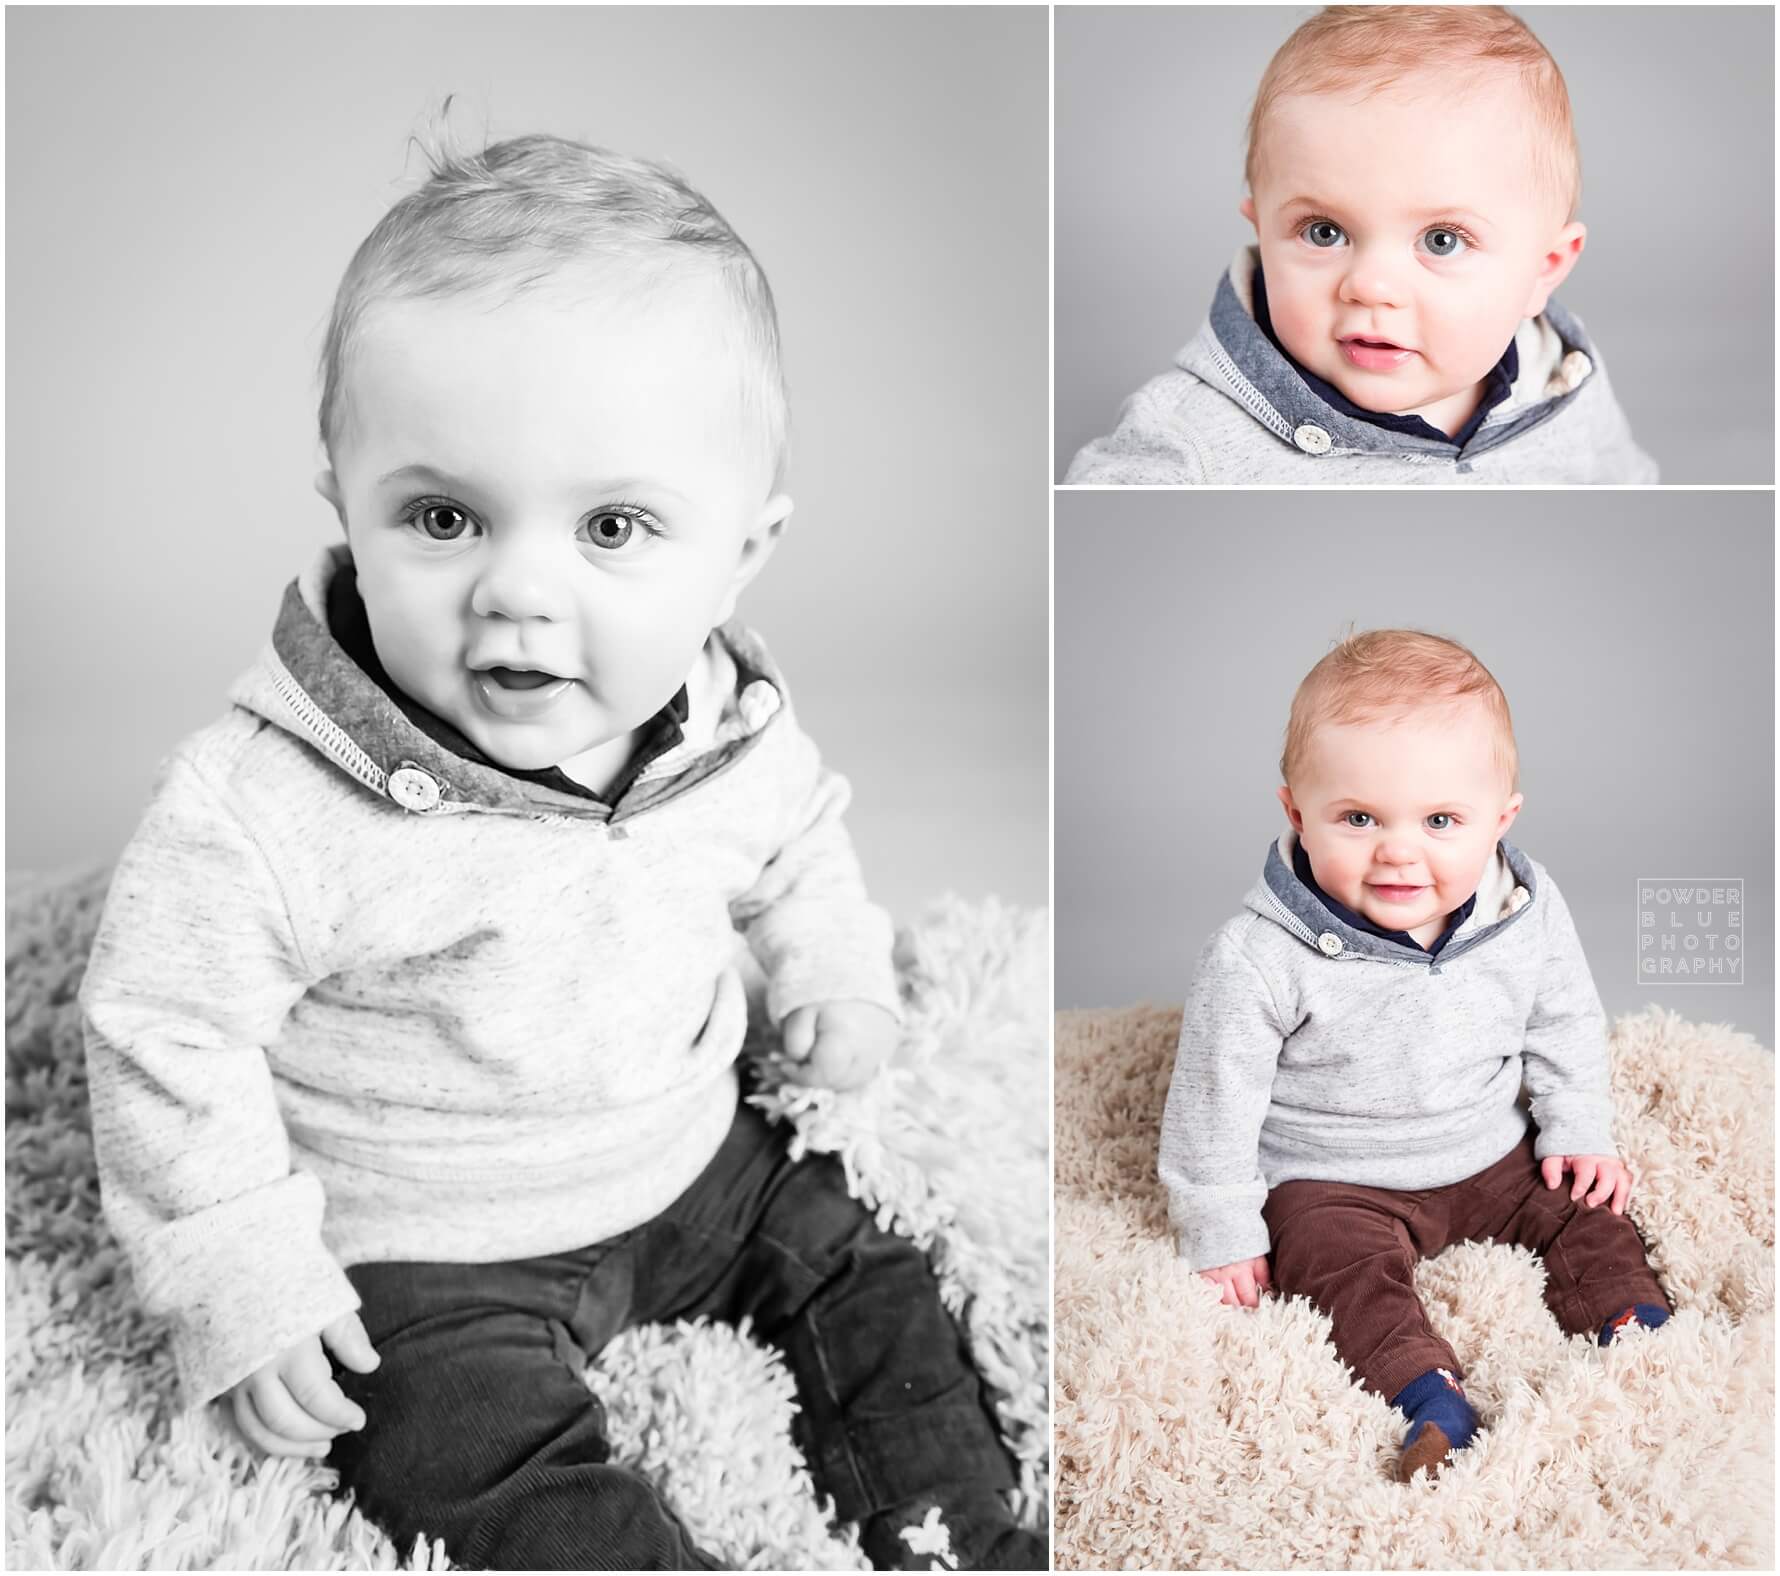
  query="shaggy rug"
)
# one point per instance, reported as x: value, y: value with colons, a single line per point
x: 949, y: 1145
x: 1196, y: 1436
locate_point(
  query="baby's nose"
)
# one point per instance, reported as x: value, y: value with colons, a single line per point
x: 521, y: 585
x: 1371, y: 281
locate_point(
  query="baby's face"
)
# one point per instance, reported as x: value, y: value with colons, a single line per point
x: 1404, y: 238
x: 1399, y: 820
x: 550, y: 506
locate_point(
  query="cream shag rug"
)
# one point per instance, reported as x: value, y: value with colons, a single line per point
x: 950, y: 1145
x: 1200, y: 1437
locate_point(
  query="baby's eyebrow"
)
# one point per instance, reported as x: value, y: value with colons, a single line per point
x: 1427, y: 215
x: 1360, y: 804
x: 606, y: 487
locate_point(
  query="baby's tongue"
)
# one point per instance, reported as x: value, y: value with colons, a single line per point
x: 521, y: 678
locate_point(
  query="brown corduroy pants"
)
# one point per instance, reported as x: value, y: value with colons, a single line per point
x: 1352, y: 1251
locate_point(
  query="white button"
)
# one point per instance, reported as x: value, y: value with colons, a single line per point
x: 1329, y: 944
x: 1519, y: 899
x: 1313, y: 440
x: 414, y: 789
x: 758, y: 702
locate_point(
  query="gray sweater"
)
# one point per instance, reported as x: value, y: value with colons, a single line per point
x: 354, y: 998
x: 1234, y: 410
x: 1310, y: 1049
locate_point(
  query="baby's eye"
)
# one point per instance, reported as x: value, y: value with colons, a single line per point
x: 1349, y: 819
x: 1444, y: 243
x: 613, y: 528
x: 1323, y: 233
x: 440, y: 522
x: 1440, y: 815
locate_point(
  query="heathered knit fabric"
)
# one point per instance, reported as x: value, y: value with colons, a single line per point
x: 1310, y: 1049
x: 1233, y: 410
x: 329, y: 1021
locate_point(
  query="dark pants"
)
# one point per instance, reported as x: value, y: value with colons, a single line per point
x: 480, y: 1431
x: 1352, y: 1251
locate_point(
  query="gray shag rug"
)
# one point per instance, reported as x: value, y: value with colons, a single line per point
x: 1194, y: 1436
x: 950, y: 1145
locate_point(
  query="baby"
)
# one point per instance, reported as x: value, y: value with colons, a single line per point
x: 1346, y: 1091
x: 1413, y: 182
x: 413, y: 1016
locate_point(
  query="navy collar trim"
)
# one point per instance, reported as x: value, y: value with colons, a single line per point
x: 1301, y: 869
x: 1498, y: 385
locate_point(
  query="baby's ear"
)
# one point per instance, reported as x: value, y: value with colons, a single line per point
x: 1555, y: 266
x: 328, y: 485
x: 1247, y: 209
x: 757, y: 546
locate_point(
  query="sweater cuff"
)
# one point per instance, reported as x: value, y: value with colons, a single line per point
x: 1208, y: 1238
x: 243, y: 1282
x: 831, y: 956
x: 1573, y: 1125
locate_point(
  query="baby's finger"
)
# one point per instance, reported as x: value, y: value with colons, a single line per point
x: 804, y: 1072
x: 312, y: 1387
x: 1585, y: 1174
x: 1622, y: 1192
x: 1263, y: 1276
x: 272, y: 1441
x: 1552, y: 1169
x: 797, y: 1034
x: 1603, y: 1188
x: 272, y: 1403
x: 347, y: 1340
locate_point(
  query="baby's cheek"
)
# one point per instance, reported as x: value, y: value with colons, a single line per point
x: 1299, y: 325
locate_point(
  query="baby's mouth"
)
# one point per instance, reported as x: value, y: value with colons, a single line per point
x: 520, y: 678
x: 1374, y: 355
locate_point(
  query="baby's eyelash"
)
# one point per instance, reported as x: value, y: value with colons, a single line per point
x: 1457, y: 229
x: 1299, y: 226
x: 640, y: 513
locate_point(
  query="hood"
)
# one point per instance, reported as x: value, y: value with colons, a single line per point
x: 1233, y: 355
x: 1508, y: 888
x: 305, y: 684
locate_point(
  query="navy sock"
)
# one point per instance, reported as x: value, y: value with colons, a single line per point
x: 1644, y: 1313
x: 1436, y: 1398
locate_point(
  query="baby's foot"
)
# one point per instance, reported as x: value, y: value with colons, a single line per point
x: 1644, y: 1313
x: 1441, y: 1421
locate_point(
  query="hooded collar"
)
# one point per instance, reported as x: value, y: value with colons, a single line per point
x: 1233, y: 353
x: 1507, y: 889
x: 307, y: 683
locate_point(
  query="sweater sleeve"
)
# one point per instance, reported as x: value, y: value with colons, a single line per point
x: 195, y: 966
x: 1564, y: 1058
x: 1152, y: 444
x: 1230, y: 1040
x: 807, y: 919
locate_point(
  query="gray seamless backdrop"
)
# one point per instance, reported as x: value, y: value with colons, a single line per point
x: 1674, y: 110
x: 185, y: 187
x: 1635, y: 644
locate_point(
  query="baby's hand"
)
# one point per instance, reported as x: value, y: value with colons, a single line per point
x: 1611, y: 1177
x: 1243, y: 1282
x: 838, y: 1044
x: 292, y: 1406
